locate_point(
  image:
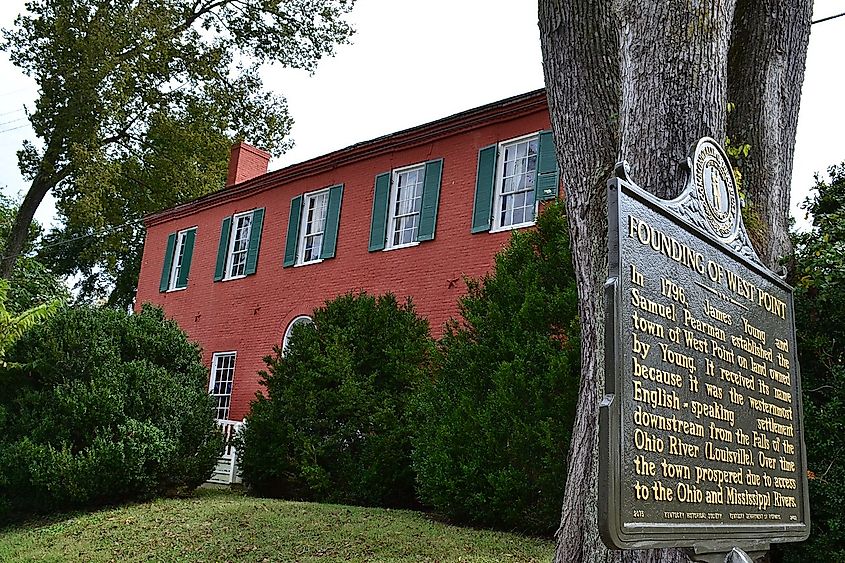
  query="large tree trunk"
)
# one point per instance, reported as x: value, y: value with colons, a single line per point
x: 674, y: 85
x: 643, y: 83
x: 765, y: 73
x: 46, y: 178
x: 20, y: 229
x: 581, y: 65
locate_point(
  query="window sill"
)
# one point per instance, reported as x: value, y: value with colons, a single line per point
x: 512, y: 227
x: 398, y: 246
x: 298, y: 264
x: 175, y: 289
x: 234, y: 278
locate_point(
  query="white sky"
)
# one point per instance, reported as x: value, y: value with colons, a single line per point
x: 413, y: 62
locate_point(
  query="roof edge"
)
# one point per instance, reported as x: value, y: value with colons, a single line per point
x: 501, y: 110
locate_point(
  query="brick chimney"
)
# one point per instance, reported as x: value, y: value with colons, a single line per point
x: 245, y: 163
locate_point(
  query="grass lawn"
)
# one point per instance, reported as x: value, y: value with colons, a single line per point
x: 218, y: 525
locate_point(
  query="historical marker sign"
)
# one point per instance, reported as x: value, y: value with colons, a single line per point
x: 701, y: 425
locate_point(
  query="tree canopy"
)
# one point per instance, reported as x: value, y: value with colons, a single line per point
x: 137, y: 102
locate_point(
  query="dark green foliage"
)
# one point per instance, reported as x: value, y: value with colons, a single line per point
x: 494, y: 425
x: 31, y: 283
x: 819, y: 280
x: 333, y: 425
x: 138, y: 103
x: 109, y: 407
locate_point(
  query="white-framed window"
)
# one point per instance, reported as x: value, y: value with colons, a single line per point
x: 178, y: 261
x: 406, y: 194
x: 238, y: 245
x: 514, y: 203
x: 240, y: 239
x: 220, y: 382
x: 405, y: 203
x: 314, y: 211
x: 300, y: 320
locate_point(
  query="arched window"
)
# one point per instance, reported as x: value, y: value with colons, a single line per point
x: 300, y: 320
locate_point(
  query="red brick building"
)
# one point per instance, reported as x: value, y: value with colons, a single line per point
x: 412, y: 213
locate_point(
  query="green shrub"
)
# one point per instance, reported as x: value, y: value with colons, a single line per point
x: 494, y: 426
x: 107, y: 407
x: 819, y: 279
x: 333, y: 425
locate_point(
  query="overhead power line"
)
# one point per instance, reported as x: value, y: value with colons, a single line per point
x: 830, y: 18
x: 10, y: 92
x: 13, y: 128
x: 16, y: 120
x: 12, y: 111
x: 97, y: 233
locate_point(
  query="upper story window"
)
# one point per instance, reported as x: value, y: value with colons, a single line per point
x: 513, y: 204
x: 177, y: 260
x: 313, y: 226
x: 240, y: 238
x: 512, y: 177
x: 315, y: 207
x: 300, y: 320
x: 238, y: 246
x: 406, y: 194
x: 405, y: 203
x: 220, y: 382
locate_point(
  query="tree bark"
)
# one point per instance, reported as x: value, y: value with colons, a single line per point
x: 641, y: 82
x: 674, y: 85
x: 765, y: 71
x: 20, y: 229
x: 46, y: 178
x: 581, y: 66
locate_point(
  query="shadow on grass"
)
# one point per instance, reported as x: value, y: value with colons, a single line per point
x: 23, y: 521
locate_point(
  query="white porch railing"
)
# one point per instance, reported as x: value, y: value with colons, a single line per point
x: 226, y: 470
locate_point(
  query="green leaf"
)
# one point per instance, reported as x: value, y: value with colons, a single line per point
x: 139, y: 103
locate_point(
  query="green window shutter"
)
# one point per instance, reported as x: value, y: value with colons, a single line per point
x: 547, y: 180
x: 187, y: 256
x: 430, y: 199
x: 223, y: 248
x: 381, y: 199
x: 482, y: 207
x: 293, y: 231
x: 254, y: 241
x: 168, y: 263
x: 332, y: 222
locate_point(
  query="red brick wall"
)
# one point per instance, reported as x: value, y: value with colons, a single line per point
x: 246, y: 162
x: 250, y: 315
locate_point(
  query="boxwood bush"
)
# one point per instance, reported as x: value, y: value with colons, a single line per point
x: 333, y: 425
x: 107, y: 407
x: 494, y: 425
